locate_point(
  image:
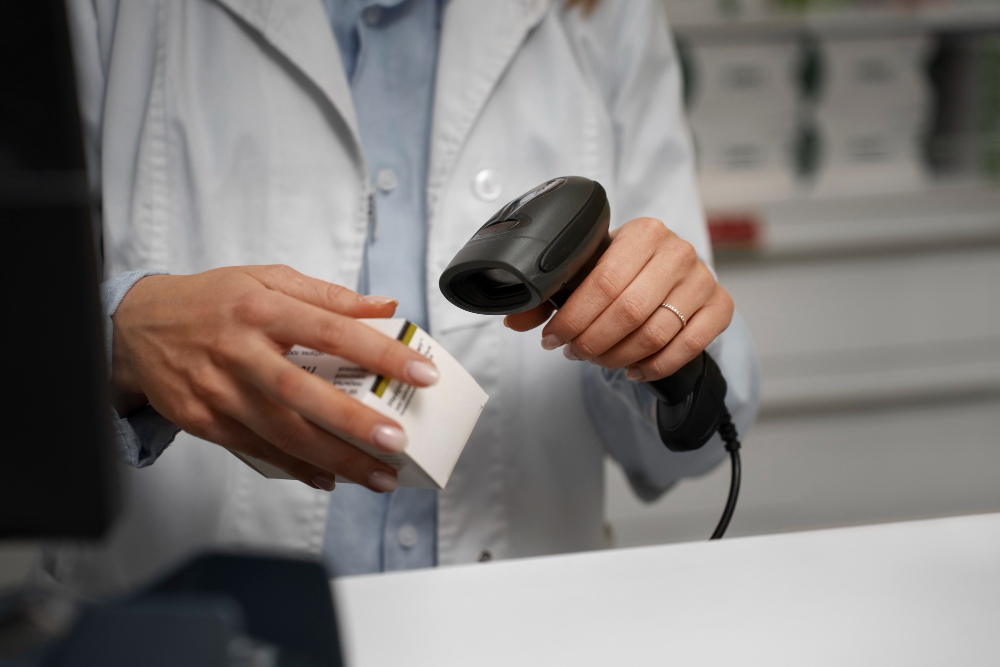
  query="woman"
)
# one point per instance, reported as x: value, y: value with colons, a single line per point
x: 362, y: 143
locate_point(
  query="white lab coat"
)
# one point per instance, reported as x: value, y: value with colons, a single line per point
x: 222, y: 132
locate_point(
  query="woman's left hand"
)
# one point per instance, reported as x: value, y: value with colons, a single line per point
x: 615, y: 318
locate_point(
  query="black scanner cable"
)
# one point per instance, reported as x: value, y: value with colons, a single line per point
x: 728, y: 432
x: 540, y: 247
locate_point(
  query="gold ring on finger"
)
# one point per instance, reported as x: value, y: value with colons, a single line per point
x: 675, y: 311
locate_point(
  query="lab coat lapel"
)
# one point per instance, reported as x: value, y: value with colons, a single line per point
x: 478, y: 40
x: 300, y: 31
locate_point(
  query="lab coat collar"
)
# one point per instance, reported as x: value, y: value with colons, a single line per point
x: 300, y: 31
x: 478, y: 40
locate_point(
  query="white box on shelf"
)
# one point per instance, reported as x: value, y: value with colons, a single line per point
x: 864, y: 155
x: 744, y: 79
x: 746, y: 158
x: 863, y: 76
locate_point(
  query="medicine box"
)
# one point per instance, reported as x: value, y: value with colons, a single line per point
x: 437, y: 420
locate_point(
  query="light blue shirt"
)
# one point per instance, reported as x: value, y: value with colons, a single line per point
x: 389, y: 51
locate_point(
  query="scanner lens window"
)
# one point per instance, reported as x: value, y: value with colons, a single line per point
x: 501, y: 277
x: 491, y: 292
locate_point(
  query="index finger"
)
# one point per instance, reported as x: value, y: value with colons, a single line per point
x: 614, y: 272
x: 328, y: 296
x: 298, y: 323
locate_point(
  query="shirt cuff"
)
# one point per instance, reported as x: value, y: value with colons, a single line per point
x: 142, y: 436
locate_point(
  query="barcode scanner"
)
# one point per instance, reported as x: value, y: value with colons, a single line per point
x: 540, y: 247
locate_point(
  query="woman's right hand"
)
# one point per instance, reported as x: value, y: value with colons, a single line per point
x: 207, y: 352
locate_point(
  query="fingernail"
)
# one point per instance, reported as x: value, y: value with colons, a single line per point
x: 389, y: 438
x: 382, y: 481
x: 376, y: 300
x: 634, y: 374
x: 568, y: 353
x: 505, y: 321
x: 422, y: 373
x: 552, y: 341
x: 324, y: 482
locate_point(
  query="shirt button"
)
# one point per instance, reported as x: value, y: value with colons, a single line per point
x: 386, y: 180
x: 487, y: 185
x: 373, y: 15
x: 408, y: 537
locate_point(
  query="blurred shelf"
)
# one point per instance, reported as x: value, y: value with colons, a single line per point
x: 863, y: 325
x: 878, y: 378
x: 954, y: 17
x: 937, y: 217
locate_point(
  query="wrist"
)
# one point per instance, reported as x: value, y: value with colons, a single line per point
x: 127, y: 394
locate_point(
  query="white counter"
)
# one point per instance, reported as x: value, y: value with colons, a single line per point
x: 920, y: 593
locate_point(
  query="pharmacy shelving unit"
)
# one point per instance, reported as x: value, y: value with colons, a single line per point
x: 769, y: 244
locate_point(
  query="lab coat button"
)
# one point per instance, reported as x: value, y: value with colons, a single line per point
x: 487, y: 185
x: 408, y: 537
x: 386, y: 180
x: 373, y: 15
x: 485, y: 556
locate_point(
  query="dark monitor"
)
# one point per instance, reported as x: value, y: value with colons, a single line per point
x: 56, y: 458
